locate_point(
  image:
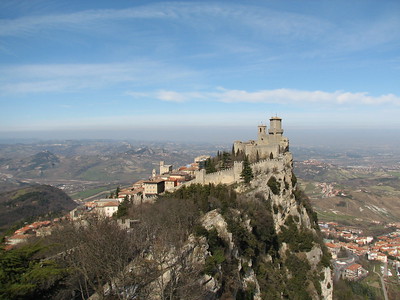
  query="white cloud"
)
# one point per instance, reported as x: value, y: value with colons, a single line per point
x: 193, y: 14
x: 170, y: 96
x: 289, y: 96
x: 27, y: 79
x: 277, y: 96
x: 227, y: 22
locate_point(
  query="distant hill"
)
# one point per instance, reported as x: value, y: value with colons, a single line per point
x: 78, y: 166
x: 40, y: 161
x: 352, y: 194
x: 27, y: 202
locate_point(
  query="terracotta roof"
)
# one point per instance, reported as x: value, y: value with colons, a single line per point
x: 111, y: 203
x: 330, y: 245
x: 20, y: 236
x: 354, y: 267
x: 155, y: 181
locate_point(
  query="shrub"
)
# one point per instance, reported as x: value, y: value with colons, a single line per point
x: 274, y: 185
x: 294, y: 179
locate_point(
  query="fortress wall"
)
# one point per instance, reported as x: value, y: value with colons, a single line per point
x: 233, y: 175
x: 263, y: 151
x: 225, y: 176
x: 265, y: 166
x: 268, y: 165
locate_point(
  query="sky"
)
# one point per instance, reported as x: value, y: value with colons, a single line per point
x: 197, y: 70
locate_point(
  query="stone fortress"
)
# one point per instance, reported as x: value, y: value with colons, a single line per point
x: 269, y: 153
x: 268, y: 145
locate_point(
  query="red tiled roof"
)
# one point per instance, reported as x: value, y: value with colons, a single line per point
x: 354, y: 267
x: 330, y: 245
x: 111, y: 203
x: 155, y: 181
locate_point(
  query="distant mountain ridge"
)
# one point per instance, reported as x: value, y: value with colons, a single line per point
x: 99, y: 162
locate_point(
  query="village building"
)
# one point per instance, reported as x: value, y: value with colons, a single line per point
x: 18, y: 239
x: 354, y: 272
x: 334, y: 249
x: 201, y: 161
x: 170, y: 184
x: 154, y: 187
x: 107, y: 208
x: 164, y: 169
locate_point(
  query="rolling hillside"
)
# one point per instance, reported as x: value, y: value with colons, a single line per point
x: 351, y: 193
x: 24, y: 203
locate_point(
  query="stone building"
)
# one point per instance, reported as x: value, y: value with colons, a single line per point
x: 164, y: 169
x: 154, y: 187
x: 266, y: 146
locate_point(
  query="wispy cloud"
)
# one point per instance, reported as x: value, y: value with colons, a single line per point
x: 287, y: 96
x: 277, y: 96
x: 193, y: 13
x: 27, y: 79
x: 232, y: 22
x: 168, y: 96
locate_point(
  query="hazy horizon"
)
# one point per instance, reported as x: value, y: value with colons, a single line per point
x: 332, y: 138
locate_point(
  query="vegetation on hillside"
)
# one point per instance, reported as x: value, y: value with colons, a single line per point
x: 247, y: 173
x: 24, y: 275
x: 30, y: 202
x: 98, y: 252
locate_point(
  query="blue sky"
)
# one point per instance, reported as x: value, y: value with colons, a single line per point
x: 99, y: 68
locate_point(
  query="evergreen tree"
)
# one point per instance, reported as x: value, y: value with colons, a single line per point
x: 117, y: 191
x: 210, y: 166
x: 225, y: 160
x: 23, y: 275
x: 247, y: 172
x: 123, y: 208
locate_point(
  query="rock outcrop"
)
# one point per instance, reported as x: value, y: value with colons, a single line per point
x: 257, y: 241
x: 285, y: 261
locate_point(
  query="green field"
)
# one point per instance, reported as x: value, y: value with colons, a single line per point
x: 91, y: 192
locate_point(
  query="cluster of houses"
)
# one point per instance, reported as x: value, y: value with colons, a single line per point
x: 166, y: 180
x: 328, y: 191
x: 141, y: 191
x: 41, y: 228
x: 351, y: 239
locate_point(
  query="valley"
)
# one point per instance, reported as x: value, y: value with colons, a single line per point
x: 352, y: 186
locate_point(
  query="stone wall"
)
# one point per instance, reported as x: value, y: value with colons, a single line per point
x: 233, y: 175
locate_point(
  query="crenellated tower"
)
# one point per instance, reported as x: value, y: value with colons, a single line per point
x: 262, y: 134
x: 267, y: 145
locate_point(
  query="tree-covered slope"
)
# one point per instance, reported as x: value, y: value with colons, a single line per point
x: 28, y: 202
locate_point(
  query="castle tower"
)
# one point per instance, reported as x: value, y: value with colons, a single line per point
x: 275, y: 126
x: 262, y: 134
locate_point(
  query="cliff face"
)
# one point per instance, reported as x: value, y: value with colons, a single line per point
x: 268, y: 246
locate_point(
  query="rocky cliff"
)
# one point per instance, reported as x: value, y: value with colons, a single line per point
x: 257, y: 241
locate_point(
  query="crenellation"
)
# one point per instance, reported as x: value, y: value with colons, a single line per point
x: 273, y: 143
x: 266, y: 146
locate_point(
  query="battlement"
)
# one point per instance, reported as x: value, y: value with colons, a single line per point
x: 233, y: 175
x: 269, y: 145
x: 270, y: 153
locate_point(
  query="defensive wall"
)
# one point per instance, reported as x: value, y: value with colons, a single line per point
x: 232, y: 175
